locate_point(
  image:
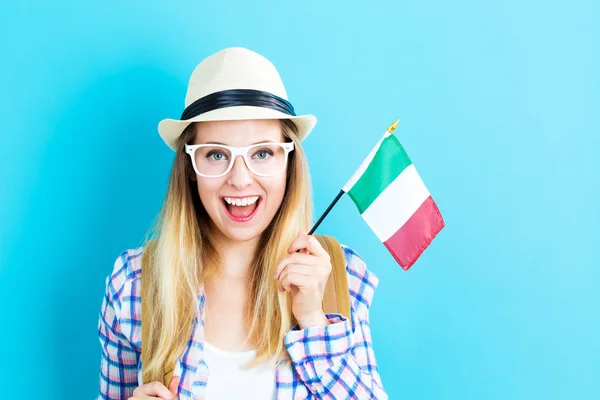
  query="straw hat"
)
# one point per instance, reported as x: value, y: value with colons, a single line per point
x: 233, y: 84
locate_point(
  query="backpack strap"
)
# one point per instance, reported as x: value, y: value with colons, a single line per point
x: 336, y: 298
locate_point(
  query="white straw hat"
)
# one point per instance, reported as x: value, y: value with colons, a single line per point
x: 233, y: 84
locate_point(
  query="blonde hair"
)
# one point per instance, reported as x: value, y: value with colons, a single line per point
x: 184, y: 257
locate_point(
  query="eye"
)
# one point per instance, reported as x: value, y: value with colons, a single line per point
x: 263, y: 153
x: 216, y: 155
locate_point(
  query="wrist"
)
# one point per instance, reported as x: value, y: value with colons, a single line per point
x: 318, y: 319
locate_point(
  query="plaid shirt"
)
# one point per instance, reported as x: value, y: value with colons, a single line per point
x: 328, y: 362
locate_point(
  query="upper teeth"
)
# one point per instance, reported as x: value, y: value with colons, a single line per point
x: 245, y: 201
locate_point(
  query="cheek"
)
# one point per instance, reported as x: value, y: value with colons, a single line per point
x: 207, y: 190
x: 275, y: 189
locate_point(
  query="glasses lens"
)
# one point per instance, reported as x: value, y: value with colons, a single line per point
x: 212, y: 160
x: 267, y: 159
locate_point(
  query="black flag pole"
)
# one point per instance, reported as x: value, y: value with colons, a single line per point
x: 314, y: 228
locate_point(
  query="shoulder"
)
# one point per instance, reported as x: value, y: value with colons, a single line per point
x: 362, y: 282
x: 126, y: 271
x: 123, y: 294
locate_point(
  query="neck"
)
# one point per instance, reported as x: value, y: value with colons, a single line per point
x: 236, y: 256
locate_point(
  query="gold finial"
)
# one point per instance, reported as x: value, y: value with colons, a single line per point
x: 393, y: 126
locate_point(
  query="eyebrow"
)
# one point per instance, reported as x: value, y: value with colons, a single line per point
x: 260, y: 141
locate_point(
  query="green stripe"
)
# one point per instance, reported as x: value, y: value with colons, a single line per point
x: 389, y: 162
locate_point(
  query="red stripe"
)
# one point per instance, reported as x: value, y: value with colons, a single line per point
x: 407, y: 244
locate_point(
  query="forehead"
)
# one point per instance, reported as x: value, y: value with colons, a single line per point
x: 239, y: 133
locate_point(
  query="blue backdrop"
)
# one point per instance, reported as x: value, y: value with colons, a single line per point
x: 499, y: 107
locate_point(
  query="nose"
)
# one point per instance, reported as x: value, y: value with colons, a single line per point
x: 239, y: 176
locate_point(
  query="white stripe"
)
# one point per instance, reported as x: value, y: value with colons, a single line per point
x: 396, y: 204
x: 363, y: 167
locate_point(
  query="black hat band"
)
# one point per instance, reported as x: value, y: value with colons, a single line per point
x: 237, y: 97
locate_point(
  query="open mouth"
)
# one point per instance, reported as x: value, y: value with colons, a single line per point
x: 241, y: 209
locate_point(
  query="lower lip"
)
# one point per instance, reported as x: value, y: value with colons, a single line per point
x: 242, y: 219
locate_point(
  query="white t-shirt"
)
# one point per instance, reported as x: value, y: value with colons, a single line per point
x: 227, y: 380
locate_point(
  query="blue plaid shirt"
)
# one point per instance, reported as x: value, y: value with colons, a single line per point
x: 328, y: 362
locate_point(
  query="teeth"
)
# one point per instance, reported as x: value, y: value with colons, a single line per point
x: 246, y: 201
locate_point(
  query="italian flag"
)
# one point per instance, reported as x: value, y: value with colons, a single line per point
x: 393, y: 200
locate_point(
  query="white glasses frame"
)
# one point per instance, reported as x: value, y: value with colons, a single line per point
x: 237, y: 151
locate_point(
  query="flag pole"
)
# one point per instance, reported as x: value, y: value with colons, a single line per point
x: 314, y: 228
x: 390, y: 129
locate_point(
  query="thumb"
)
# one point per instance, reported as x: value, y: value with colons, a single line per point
x: 300, y: 234
x: 174, y: 385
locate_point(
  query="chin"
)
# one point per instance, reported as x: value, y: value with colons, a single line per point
x: 241, y: 234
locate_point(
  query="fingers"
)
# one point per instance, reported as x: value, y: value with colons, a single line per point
x: 310, y: 243
x: 314, y: 264
x: 302, y: 282
x: 153, y: 390
x: 295, y: 258
x: 293, y: 269
x: 317, y: 275
x: 174, y: 385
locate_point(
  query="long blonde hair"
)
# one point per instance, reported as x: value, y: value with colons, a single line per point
x: 183, y: 257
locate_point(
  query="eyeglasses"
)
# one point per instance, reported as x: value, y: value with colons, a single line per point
x: 263, y: 159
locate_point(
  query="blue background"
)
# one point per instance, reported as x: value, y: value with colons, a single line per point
x: 499, y: 107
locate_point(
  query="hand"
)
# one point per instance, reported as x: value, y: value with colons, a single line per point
x: 157, y: 391
x: 305, y: 275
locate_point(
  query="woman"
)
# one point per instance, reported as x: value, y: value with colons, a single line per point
x: 234, y: 283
